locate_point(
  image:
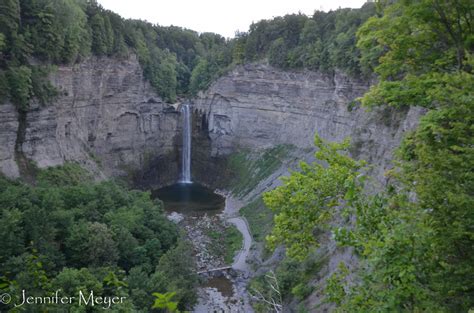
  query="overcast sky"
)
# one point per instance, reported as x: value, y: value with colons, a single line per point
x: 218, y: 16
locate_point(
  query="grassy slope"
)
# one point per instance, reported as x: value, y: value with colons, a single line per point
x: 251, y: 168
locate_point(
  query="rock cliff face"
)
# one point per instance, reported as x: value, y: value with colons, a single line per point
x: 106, y: 117
x: 8, y: 134
x: 109, y: 119
x: 256, y: 106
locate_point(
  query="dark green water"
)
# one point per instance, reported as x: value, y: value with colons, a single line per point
x: 189, y: 199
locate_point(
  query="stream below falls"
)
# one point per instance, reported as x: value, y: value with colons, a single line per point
x: 204, y: 214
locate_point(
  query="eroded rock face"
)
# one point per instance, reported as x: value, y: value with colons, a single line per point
x: 8, y: 134
x: 256, y: 106
x: 107, y: 118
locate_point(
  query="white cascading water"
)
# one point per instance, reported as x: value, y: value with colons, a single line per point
x: 186, y: 157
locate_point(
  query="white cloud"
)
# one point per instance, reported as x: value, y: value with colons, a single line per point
x: 223, y: 17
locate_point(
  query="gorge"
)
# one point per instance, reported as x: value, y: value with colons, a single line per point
x: 109, y: 120
x: 108, y: 112
x: 314, y: 163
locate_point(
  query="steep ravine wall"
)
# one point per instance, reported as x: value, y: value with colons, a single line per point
x: 107, y: 118
x: 256, y: 106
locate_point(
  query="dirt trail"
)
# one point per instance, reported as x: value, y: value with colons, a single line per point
x: 240, y: 261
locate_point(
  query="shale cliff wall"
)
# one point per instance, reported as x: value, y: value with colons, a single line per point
x: 106, y: 117
x: 256, y: 106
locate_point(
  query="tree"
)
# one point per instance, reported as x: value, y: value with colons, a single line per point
x: 201, y: 76
x: 413, y: 48
x: 20, y: 86
x: 277, y: 54
x: 165, y: 79
x: 71, y: 281
x: 176, y: 273
x: 99, y: 35
x: 67, y: 222
x: 416, y: 237
x: 101, y: 248
x: 9, y: 23
x: 77, y: 39
x: 163, y: 301
x: 274, y: 301
x: 307, y: 199
x: 12, y: 233
x: 76, y: 244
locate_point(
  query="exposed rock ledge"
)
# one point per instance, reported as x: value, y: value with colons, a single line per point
x: 256, y: 106
x: 107, y: 118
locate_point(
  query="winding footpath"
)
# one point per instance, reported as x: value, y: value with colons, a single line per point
x: 211, y: 300
x: 231, y: 214
x: 240, y: 260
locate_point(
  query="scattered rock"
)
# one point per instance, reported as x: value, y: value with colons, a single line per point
x: 175, y: 217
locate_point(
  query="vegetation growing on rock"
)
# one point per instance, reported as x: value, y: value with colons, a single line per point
x: 176, y: 61
x: 415, y: 237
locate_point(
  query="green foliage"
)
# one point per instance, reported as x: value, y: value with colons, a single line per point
x: 163, y: 301
x: 200, y: 77
x: 101, y: 35
x: 325, y: 41
x: 422, y: 53
x: 210, y: 67
x: 417, y: 49
x: 232, y: 242
x: 25, y: 82
x: 20, y: 86
x: 266, y: 292
x: 67, y: 31
x: 293, y: 277
x: 307, y: 199
x: 335, y: 284
x: 277, y: 54
x: 72, y: 280
x: 177, y: 62
x: 42, y: 88
x: 414, y: 239
x: 71, y: 233
x: 163, y: 76
x: 69, y: 174
x: 259, y: 218
x: 225, y: 242
x: 301, y: 291
x: 249, y: 169
x: 176, y: 272
x: 413, y: 252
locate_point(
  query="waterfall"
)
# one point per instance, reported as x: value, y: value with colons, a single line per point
x: 186, y: 156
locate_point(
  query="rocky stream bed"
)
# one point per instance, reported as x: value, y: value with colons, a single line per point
x: 222, y: 290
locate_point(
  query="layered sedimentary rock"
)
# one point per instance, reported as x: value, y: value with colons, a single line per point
x: 106, y: 117
x: 8, y: 134
x: 256, y: 106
